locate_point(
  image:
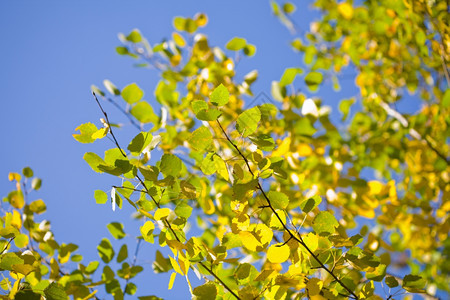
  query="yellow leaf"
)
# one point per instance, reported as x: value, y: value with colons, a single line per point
x: 278, y: 254
x: 16, y: 220
x: 249, y: 240
x: 346, y: 10
x: 175, y: 266
x: 178, y: 39
x: 304, y: 150
x: 283, y: 148
x: 375, y: 187
x: 162, y: 213
x: 172, y: 280
x: 311, y: 241
x: 314, y: 286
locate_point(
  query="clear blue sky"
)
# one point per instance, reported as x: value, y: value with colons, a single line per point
x: 53, y: 51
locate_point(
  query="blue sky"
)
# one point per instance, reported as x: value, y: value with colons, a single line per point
x: 50, y: 55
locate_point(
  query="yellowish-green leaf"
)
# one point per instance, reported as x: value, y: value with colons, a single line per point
x: 278, y: 253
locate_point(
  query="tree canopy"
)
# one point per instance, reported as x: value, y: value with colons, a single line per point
x: 274, y: 198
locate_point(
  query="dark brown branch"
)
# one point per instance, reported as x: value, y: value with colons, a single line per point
x: 299, y: 239
x: 165, y: 221
x: 7, y: 245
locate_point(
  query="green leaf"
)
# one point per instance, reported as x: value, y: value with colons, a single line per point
x: 86, y: 132
x: 344, y: 107
x: 313, y: 80
x: 100, y: 197
x: 21, y: 240
x: 55, y: 291
x: 110, y: 87
x: 96, y: 90
x: 37, y: 206
x: 247, y: 122
x: 130, y: 288
x: 183, y: 210
x: 94, y: 161
x: 134, y: 36
x: 288, y: 8
x: 91, y: 267
x: 391, y: 281
x: 105, y: 250
x: 324, y: 223
x: 236, y: 44
x: 143, y: 112
x: 220, y: 95
x: 311, y: 203
x: 132, y: 93
x: 446, y: 99
x: 198, y: 105
x: 209, y: 115
x: 413, y: 283
x: 36, y: 183
x: 278, y: 200
x: 122, y: 50
x: 201, y: 139
x: 249, y: 50
x: 27, y: 172
x: 9, y: 259
x: 116, y: 230
x: 278, y: 91
x: 170, y: 165
x: 289, y: 76
x: 123, y: 253
x: 207, y: 291
x: 147, y: 231
x: 139, y: 142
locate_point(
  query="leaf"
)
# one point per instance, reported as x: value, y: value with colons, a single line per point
x: 289, y: 76
x: 201, y: 139
x: 170, y: 165
x: 110, y: 87
x: 236, y: 44
x: 100, y: 197
x: 105, y: 250
x: 147, y: 230
x: 140, y: 142
x: 9, y: 259
x: 199, y: 105
x: 289, y: 8
x: 36, y: 184
x: 27, y: 172
x: 249, y: 50
x: 208, y: 114
x: 346, y: 10
x: 220, y: 95
x: 313, y: 80
x: 116, y: 230
x: 309, y: 107
x: 324, y: 223
x: 21, y: 240
x: 86, y: 132
x: 207, y: 291
x: 247, y: 122
x: 38, y: 206
x: 172, y: 280
x: 162, y: 213
x: 94, y: 161
x: 278, y: 254
x: 183, y: 210
x: 413, y: 283
x: 344, y: 107
x: 314, y: 286
x: 391, y: 281
x: 143, y: 112
x: 55, y: 291
x: 132, y: 93
x: 278, y: 199
x: 446, y: 99
x: 311, y: 203
x: 134, y: 36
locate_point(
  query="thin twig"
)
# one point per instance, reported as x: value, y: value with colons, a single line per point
x: 165, y: 221
x: 7, y: 245
x: 399, y: 117
x: 299, y: 239
x: 132, y: 265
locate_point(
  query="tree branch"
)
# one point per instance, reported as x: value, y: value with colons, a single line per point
x: 299, y: 238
